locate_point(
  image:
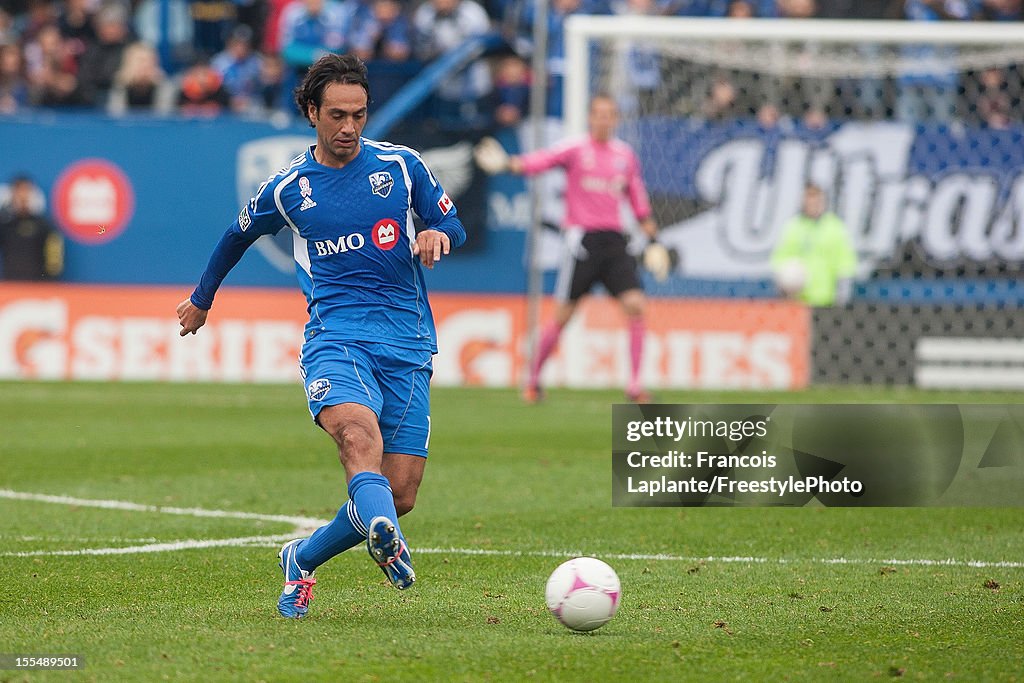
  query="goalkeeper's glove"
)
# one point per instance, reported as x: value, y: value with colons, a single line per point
x: 659, y: 260
x: 491, y: 156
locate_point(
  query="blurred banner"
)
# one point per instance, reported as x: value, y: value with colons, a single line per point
x: 143, y: 201
x: 94, y: 332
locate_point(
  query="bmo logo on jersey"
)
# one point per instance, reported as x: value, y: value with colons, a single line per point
x: 385, y: 234
x: 341, y: 245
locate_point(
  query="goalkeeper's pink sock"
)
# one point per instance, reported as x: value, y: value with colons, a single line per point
x: 548, y: 342
x: 636, y: 354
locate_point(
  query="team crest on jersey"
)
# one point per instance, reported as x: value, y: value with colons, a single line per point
x: 381, y: 183
x: 318, y: 388
x: 244, y: 220
x: 306, y: 190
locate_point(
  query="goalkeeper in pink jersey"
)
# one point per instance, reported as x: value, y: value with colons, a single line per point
x: 601, y: 172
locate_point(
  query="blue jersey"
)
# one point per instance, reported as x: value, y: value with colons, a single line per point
x: 352, y: 234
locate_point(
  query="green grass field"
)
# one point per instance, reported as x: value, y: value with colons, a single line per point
x: 528, y: 484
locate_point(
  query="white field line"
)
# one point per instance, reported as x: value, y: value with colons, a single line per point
x: 304, y: 523
x: 164, y: 510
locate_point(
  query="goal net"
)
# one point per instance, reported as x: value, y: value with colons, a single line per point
x: 914, y: 130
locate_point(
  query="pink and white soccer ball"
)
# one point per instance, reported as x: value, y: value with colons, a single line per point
x: 583, y: 593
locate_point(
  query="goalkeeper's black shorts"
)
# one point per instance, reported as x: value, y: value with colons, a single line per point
x: 596, y: 257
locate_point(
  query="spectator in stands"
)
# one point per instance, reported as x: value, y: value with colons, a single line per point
x: 8, y: 35
x: 102, y: 59
x: 441, y: 26
x: 202, y: 91
x: 30, y: 248
x: 274, y: 11
x: 76, y: 24
x: 512, y: 91
x: 558, y: 12
x: 696, y: 8
x: 383, y: 34
x: 14, y: 94
x: 993, y: 107
x: 721, y: 102
x: 211, y: 22
x: 179, y: 33
x: 272, y: 95
x: 41, y: 13
x: 1000, y: 10
x: 313, y: 28
x: 51, y: 71
x: 814, y: 261
x: 928, y: 92
x: 864, y: 97
x: 239, y: 66
x: 140, y: 85
x: 640, y: 65
x: 740, y: 9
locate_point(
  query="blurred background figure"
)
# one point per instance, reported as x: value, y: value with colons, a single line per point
x: 52, y: 71
x: 14, y: 94
x: 102, y: 59
x: 928, y: 92
x: 30, y: 247
x: 211, y: 22
x: 140, y: 85
x: 202, y: 93
x: 313, y: 28
x: 239, y: 66
x: 511, y: 90
x: 814, y: 261
x: 383, y: 33
x: 443, y: 25
x: 270, y: 85
x: 993, y: 105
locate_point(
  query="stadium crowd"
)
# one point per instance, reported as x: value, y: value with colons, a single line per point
x: 211, y: 57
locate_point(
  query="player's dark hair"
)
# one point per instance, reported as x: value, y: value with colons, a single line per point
x: 329, y: 69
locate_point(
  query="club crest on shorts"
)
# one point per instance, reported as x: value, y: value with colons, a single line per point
x: 381, y: 183
x: 318, y: 388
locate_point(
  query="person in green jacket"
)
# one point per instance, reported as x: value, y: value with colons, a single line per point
x: 814, y: 261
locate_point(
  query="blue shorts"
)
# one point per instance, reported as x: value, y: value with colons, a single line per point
x: 392, y: 382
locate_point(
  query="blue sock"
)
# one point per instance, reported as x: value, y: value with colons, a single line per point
x: 372, y: 496
x: 346, y: 531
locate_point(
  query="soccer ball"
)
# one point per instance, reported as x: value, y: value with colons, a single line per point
x: 583, y: 593
x: 790, y: 277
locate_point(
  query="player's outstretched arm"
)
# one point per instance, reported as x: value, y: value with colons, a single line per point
x: 430, y: 245
x: 190, y: 317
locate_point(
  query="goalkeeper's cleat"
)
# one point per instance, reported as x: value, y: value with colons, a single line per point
x: 533, y: 394
x: 388, y: 550
x: 298, y: 584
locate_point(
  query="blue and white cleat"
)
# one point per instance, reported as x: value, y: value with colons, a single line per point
x: 390, y: 553
x: 298, y: 584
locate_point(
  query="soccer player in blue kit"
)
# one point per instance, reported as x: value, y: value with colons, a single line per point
x: 368, y: 346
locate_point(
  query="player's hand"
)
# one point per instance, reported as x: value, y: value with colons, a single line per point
x: 491, y: 156
x: 429, y: 246
x: 190, y: 317
x: 650, y: 227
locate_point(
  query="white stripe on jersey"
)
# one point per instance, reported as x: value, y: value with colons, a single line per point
x: 410, y: 227
x: 277, y: 200
x: 392, y: 147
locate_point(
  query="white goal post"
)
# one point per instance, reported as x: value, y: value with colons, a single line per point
x: 1005, y: 38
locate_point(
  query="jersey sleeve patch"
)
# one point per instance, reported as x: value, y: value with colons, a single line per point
x: 445, y: 204
x: 244, y: 220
